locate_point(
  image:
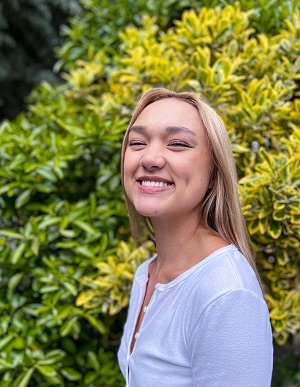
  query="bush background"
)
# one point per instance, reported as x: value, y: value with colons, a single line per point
x: 66, y: 257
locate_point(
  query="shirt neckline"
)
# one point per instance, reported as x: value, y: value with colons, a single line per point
x: 144, y: 276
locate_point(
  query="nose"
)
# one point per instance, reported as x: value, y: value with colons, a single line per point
x: 152, y: 158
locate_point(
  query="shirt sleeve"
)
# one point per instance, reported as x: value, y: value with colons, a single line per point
x: 231, y: 345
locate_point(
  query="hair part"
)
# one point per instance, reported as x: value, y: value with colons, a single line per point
x: 221, y: 210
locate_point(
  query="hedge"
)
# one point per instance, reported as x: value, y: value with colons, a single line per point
x: 66, y: 257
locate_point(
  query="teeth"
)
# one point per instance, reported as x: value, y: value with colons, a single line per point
x: 159, y: 184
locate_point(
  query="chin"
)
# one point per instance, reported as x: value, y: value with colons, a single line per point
x: 147, y: 212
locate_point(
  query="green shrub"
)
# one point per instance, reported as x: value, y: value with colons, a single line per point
x: 65, y: 254
x: 100, y: 23
x: 252, y: 81
x: 61, y: 213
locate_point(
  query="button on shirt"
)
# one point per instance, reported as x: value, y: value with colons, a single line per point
x: 209, y: 327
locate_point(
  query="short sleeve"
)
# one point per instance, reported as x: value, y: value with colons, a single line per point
x: 231, y: 345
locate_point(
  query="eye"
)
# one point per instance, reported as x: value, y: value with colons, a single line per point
x: 177, y: 143
x: 136, y: 143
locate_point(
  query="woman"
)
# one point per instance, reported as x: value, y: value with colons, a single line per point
x: 197, y: 316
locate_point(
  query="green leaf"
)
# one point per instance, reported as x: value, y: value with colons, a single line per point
x: 274, y: 229
x: 280, y: 215
x: 47, y: 174
x: 48, y: 221
x: 11, y: 234
x: 81, y: 250
x: 71, y: 288
x: 23, y: 198
x: 53, y: 357
x: 15, y: 280
x: 96, y: 323
x: 236, y: 148
x: 71, y: 374
x: 85, y: 226
x: 5, y: 341
x: 67, y: 233
x: 93, y: 360
x: 67, y: 326
x: 17, y: 254
x: 5, y: 365
x: 24, y: 378
x: 46, y: 370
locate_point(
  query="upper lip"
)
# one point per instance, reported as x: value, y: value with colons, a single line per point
x: 154, y: 178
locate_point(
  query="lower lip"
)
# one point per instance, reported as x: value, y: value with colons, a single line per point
x: 147, y: 189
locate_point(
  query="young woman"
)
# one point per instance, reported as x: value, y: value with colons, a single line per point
x: 197, y: 316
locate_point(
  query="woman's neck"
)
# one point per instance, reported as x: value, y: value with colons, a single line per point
x: 180, y: 245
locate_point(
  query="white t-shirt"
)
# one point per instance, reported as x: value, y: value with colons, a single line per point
x: 209, y: 327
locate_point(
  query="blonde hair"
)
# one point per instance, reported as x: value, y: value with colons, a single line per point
x: 221, y: 211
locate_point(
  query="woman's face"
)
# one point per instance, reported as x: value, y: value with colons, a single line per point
x: 167, y: 163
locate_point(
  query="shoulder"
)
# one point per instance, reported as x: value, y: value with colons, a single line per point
x: 222, y: 278
x: 227, y: 270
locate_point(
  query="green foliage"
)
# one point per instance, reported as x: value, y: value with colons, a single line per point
x: 61, y: 213
x: 29, y: 31
x: 272, y: 209
x: 66, y: 260
x: 252, y: 81
x: 101, y: 23
x: 111, y: 288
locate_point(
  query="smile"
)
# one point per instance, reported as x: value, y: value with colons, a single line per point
x: 160, y: 184
x: 154, y: 184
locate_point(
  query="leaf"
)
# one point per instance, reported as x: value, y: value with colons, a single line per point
x: 24, y: 378
x: 236, y: 148
x: 17, y: 254
x: 71, y: 288
x: 67, y: 326
x: 15, y: 280
x: 84, y: 298
x: 90, y: 377
x: 11, y: 234
x: 4, y: 366
x: 71, y: 374
x: 278, y: 314
x: 84, y: 251
x: 46, y: 370
x: 23, y: 198
x: 93, y: 360
x: 274, y: 229
x: 47, y: 174
x: 282, y: 257
x: 267, y: 157
x: 85, y: 226
x: 97, y: 324
x: 280, y: 215
x: 5, y: 341
x: 48, y: 221
x: 53, y: 357
x: 67, y: 233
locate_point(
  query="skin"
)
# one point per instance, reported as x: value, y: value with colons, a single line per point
x: 169, y: 137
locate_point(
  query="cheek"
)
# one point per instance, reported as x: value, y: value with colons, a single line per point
x: 199, y: 175
x: 129, y: 169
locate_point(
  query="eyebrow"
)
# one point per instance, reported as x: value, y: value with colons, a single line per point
x: 173, y: 129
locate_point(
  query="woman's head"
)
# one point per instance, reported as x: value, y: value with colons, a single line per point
x: 220, y: 208
x: 222, y: 172
x: 168, y: 162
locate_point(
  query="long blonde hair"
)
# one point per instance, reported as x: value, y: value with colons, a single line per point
x: 221, y: 211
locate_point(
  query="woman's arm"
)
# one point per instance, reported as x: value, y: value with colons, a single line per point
x: 231, y: 345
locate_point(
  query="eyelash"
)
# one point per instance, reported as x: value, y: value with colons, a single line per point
x: 174, y: 143
x: 136, y: 143
x: 179, y: 143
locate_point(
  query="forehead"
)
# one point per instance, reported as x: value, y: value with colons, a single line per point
x: 170, y: 112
